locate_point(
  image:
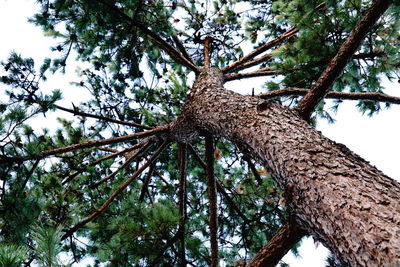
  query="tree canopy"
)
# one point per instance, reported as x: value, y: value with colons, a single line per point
x: 112, y: 183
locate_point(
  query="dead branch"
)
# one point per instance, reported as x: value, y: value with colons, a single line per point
x: 80, y: 224
x: 277, y: 247
x: 76, y: 112
x: 339, y: 62
x: 334, y: 95
x: 89, y: 144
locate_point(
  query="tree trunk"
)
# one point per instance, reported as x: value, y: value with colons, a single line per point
x: 332, y: 193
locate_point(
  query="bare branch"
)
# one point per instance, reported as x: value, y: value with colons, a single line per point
x: 339, y: 62
x: 128, y: 160
x: 333, y: 95
x: 116, y: 192
x: 286, y: 35
x: 277, y: 247
x: 89, y: 144
x: 212, y: 195
x: 170, y: 50
x: 75, y: 111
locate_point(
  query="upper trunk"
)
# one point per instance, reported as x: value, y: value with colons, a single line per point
x: 332, y: 193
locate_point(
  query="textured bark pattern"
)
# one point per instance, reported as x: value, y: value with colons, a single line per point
x: 277, y: 247
x: 334, y: 194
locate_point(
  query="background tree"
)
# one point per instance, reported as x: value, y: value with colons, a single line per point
x: 82, y: 177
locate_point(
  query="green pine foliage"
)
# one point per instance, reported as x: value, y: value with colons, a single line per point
x: 41, y: 198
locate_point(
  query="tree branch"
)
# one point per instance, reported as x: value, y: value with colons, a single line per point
x: 207, y: 61
x: 286, y: 35
x: 258, y: 73
x: 277, y: 247
x: 339, y: 62
x: 116, y: 192
x: 170, y: 50
x: 89, y: 144
x: 334, y: 95
x: 253, y: 170
x: 128, y: 160
x: 212, y: 195
x: 182, y: 202
x: 147, y: 181
x: 182, y: 49
x: 115, y: 154
x: 220, y: 186
x: 75, y: 111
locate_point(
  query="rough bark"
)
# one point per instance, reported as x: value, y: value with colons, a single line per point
x: 332, y: 193
x: 277, y: 247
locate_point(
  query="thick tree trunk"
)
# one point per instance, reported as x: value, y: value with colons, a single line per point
x: 332, y: 193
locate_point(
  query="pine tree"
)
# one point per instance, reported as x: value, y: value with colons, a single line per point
x: 175, y: 169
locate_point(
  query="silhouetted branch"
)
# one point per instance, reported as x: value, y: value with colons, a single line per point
x: 116, y: 192
x: 333, y: 95
x: 339, y: 62
x: 75, y: 111
x: 212, y: 195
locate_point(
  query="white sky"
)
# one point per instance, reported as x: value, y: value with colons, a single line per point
x: 375, y: 139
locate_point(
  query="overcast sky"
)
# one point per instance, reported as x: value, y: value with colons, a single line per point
x: 375, y: 139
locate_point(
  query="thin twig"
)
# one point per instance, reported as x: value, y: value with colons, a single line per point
x: 76, y: 112
x: 115, y: 154
x: 116, y: 192
x: 123, y: 166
